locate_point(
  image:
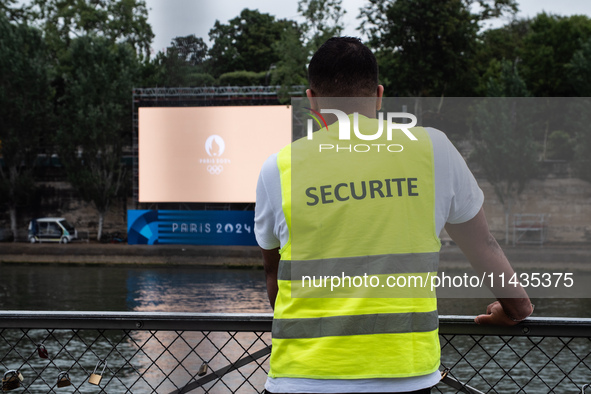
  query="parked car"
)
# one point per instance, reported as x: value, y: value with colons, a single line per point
x: 51, y: 230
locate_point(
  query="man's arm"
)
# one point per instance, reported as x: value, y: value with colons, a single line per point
x: 484, y: 253
x: 271, y: 263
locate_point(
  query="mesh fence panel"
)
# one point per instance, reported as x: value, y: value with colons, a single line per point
x: 510, y: 364
x: 165, y: 361
x: 136, y: 361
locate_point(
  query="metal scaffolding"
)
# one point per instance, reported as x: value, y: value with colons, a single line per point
x: 248, y: 92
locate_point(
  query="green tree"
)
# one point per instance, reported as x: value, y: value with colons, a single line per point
x: 242, y: 78
x: 25, y: 97
x: 117, y: 20
x: 191, y: 49
x: 426, y: 47
x: 548, y: 49
x: 496, y: 45
x: 579, y: 75
x: 505, y: 42
x: 582, y: 160
x: 508, y: 83
x: 504, y: 146
x: 298, y: 42
x: 14, y: 13
x: 94, y: 117
x: 245, y: 43
x: 579, y: 70
x: 560, y: 146
x: 183, y: 64
x: 323, y: 20
x: 290, y: 70
x: 169, y: 69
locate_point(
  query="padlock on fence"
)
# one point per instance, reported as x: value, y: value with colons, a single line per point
x: 202, y: 369
x: 42, y: 351
x: 96, y: 378
x: 63, y: 380
x: 12, y: 380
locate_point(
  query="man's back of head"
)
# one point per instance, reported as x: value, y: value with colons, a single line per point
x: 343, y: 67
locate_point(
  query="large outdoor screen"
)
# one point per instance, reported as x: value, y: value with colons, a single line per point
x: 207, y: 154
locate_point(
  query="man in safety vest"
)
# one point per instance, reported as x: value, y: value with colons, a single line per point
x: 348, y: 222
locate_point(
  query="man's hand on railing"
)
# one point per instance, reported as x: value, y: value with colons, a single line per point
x: 497, y: 315
x: 487, y: 258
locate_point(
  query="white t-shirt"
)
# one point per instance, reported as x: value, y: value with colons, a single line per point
x: 457, y: 200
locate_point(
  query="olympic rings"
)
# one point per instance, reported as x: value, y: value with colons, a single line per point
x: 215, y: 170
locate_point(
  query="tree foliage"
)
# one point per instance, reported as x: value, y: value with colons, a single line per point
x: 426, y: 47
x: 170, y: 69
x: 496, y: 45
x: 94, y: 117
x: 99, y: 49
x: 298, y: 42
x: 242, y: 78
x: 245, y: 43
x: 250, y: 45
x: 582, y: 162
x: 323, y: 20
x: 548, y: 48
x: 290, y: 70
x: 504, y: 146
x: 560, y: 146
x: 579, y: 75
x: 25, y: 95
x: 579, y: 70
x: 13, y: 10
x: 508, y: 83
x: 191, y: 49
x: 116, y: 20
x: 182, y: 64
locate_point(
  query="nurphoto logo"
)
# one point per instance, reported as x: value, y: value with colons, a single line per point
x: 344, y: 123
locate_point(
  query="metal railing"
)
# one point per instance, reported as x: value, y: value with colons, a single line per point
x: 228, y: 353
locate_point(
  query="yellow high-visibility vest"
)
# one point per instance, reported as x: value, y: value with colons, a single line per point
x: 366, y: 217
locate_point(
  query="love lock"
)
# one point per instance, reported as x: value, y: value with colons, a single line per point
x: 12, y: 380
x: 63, y: 380
x: 96, y: 378
x: 202, y: 369
x: 42, y: 351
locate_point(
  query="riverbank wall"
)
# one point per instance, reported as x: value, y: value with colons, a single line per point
x: 563, y: 257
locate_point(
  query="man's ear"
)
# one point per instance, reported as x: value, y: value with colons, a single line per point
x: 312, y: 98
x: 380, y: 94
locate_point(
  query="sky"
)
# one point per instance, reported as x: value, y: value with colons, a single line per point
x: 177, y: 18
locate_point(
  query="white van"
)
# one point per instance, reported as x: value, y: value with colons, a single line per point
x: 51, y: 230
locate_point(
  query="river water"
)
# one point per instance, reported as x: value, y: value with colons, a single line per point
x: 182, y: 289
x: 192, y: 289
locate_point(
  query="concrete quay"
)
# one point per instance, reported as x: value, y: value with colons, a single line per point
x: 121, y: 253
x: 547, y: 256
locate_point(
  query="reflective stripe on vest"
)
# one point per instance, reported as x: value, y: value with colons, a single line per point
x: 377, y: 323
x: 360, y: 219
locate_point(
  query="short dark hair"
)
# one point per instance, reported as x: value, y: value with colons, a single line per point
x: 343, y: 67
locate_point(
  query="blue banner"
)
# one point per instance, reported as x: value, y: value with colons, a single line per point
x: 165, y: 227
